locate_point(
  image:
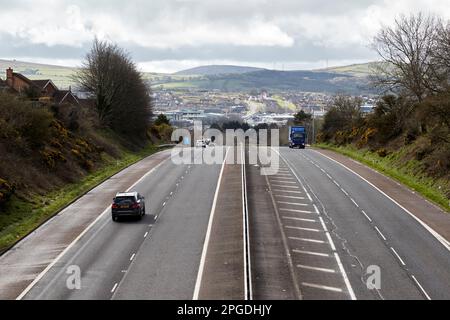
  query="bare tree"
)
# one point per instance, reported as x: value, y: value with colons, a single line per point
x: 122, y: 98
x: 441, y: 55
x: 407, y: 53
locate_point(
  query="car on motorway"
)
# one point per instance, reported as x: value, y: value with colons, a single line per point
x: 130, y: 204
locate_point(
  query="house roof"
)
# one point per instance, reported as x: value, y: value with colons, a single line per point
x: 22, y: 77
x: 61, y: 95
x: 42, y: 84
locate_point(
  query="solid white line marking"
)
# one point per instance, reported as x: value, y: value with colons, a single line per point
x: 297, y: 211
x: 316, y: 269
x: 421, y: 288
x: 330, y: 241
x: 312, y: 253
x: 324, y: 226
x: 344, y: 275
x: 345, y: 192
x: 132, y: 257
x: 114, y: 288
x: 317, y: 209
x: 308, y: 240
x: 299, y: 219
x: 318, y: 286
x: 293, y: 203
x: 398, y: 256
x: 381, y: 234
x: 248, y: 290
x: 303, y: 229
x: 289, y: 197
x: 440, y: 238
x: 208, y: 233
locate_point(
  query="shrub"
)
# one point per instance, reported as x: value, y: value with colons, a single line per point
x: 6, y: 191
x: 382, y: 153
x: 20, y: 119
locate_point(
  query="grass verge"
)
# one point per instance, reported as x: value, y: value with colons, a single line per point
x: 407, y: 173
x: 21, y: 217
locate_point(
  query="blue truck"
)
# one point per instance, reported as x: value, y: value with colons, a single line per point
x: 297, y: 137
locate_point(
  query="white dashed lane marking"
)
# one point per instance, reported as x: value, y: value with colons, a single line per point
x: 312, y: 253
x: 300, y: 225
x: 316, y: 269
x: 294, y: 203
x: 296, y: 211
x: 290, y: 187
x: 303, y: 229
x: 318, y: 286
x: 308, y: 240
x: 289, y: 197
x: 287, y: 191
x: 299, y: 219
x: 114, y: 288
x: 396, y: 254
x: 380, y: 233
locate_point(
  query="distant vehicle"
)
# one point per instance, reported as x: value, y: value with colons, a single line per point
x: 128, y: 205
x: 297, y: 137
x: 200, y: 144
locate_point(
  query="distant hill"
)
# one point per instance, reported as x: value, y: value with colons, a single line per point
x: 358, y: 70
x: 349, y: 79
x: 217, y: 70
x: 307, y: 81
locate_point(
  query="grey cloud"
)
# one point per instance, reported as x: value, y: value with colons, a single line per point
x: 320, y: 29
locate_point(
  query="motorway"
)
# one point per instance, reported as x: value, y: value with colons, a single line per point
x: 316, y: 230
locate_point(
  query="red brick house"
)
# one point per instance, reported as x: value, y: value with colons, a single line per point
x: 46, y: 89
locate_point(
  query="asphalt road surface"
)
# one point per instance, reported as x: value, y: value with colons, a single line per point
x: 316, y: 231
x: 148, y: 259
x: 339, y: 229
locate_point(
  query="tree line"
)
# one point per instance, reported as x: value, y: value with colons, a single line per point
x: 413, y: 78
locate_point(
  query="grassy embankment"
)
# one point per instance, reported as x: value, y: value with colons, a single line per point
x: 405, y: 172
x: 20, y: 217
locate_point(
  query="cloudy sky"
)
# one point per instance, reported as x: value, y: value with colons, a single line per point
x: 170, y: 35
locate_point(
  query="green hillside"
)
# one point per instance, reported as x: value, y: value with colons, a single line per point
x: 61, y: 76
x: 217, y: 69
x: 358, y: 70
x: 349, y: 79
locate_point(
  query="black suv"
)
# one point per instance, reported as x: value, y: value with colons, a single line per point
x: 129, y: 205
